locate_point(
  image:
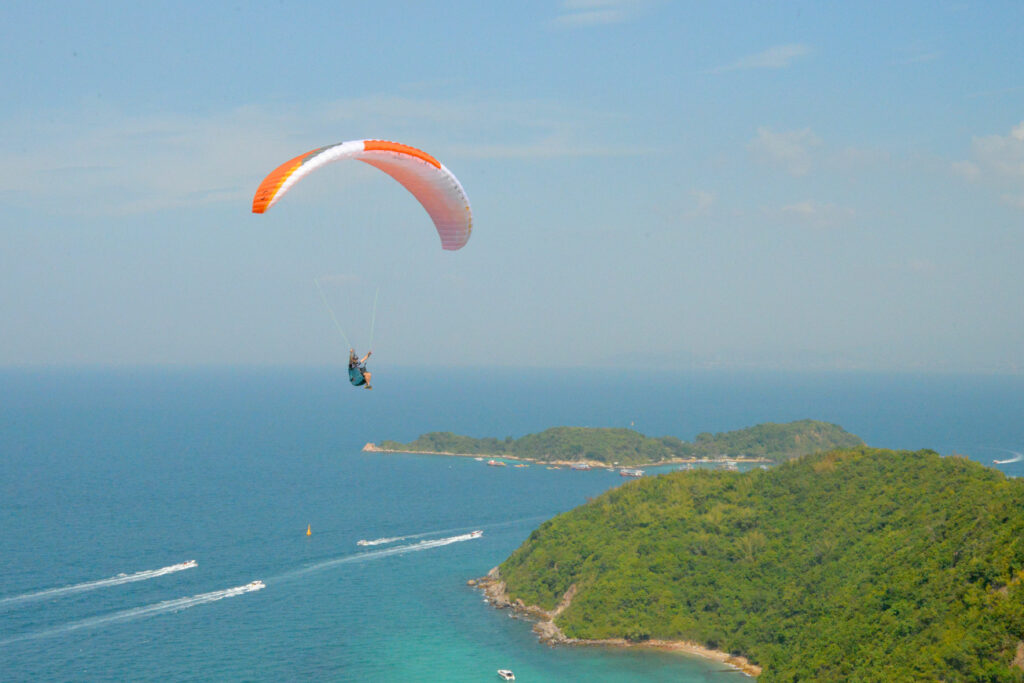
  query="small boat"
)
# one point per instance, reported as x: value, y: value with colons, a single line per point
x: 362, y: 541
x: 495, y: 463
x: 476, y: 534
x: 255, y: 585
x: 506, y: 674
x: 522, y: 464
x: 581, y: 466
x: 479, y: 459
x: 626, y: 472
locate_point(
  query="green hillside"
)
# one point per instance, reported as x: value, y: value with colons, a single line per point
x: 777, y: 442
x: 860, y: 564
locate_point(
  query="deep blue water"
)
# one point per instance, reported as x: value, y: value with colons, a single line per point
x: 108, y: 472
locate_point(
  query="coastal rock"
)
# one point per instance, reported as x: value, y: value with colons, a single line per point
x: 547, y: 632
x: 494, y: 589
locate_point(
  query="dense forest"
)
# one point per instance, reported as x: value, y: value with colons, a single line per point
x: 858, y: 564
x: 777, y: 442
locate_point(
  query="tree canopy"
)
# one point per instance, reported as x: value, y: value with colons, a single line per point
x: 857, y: 564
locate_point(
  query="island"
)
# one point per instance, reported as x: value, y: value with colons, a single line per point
x: 606, y: 447
x: 853, y: 564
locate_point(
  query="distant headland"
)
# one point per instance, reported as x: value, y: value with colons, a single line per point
x: 604, y: 447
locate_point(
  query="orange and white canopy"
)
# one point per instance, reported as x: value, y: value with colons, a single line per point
x: 436, y: 188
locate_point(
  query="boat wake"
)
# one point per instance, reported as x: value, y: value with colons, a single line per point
x: 383, y: 541
x: 377, y: 554
x: 52, y: 593
x: 1017, y: 458
x: 142, y: 612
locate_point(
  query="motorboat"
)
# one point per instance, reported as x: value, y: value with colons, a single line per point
x: 506, y: 674
x: 476, y: 534
x: 255, y: 585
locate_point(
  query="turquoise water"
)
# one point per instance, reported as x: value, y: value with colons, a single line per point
x: 104, y: 473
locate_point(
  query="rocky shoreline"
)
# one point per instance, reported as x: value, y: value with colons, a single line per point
x: 497, y: 596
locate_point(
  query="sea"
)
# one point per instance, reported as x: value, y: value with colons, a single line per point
x: 139, y: 505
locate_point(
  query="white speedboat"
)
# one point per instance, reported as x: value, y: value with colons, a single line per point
x: 255, y: 585
x: 476, y: 534
x: 506, y: 674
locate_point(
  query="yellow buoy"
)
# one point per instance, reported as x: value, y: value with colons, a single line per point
x: 309, y: 530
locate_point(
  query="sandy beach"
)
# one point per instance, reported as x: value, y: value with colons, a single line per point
x: 496, y: 594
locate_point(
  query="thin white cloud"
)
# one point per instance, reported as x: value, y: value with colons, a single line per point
x: 577, y: 13
x: 815, y: 214
x: 703, y: 201
x: 792, y: 150
x: 997, y: 161
x: 775, y: 57
x: 1001, y: 155
x: 1016, y: 201
x: 550, y: 148
x: 114, y: 162
x: 966, y: 169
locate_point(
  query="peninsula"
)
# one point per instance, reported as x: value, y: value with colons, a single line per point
x: 607, y: 447
x: 854, y: 564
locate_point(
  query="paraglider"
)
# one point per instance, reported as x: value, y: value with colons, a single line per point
x: 358, y: 375
x: 427, y: 179
x: 434, y: 186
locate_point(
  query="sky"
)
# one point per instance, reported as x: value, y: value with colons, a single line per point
x: 778, y: 185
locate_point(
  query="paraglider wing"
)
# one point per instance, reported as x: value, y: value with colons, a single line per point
x: 434, y: 186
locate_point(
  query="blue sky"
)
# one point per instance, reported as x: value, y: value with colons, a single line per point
x: 780, y: 185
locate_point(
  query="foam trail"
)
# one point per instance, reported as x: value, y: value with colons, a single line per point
x: 118, y: 580
x: 1017, y: 458
x: 383, y: 541
x: 142, y: 612
x: 375, y: 554
x: 496, y: 525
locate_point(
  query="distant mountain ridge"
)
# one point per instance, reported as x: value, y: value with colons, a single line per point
x: 856, y: 564
x: 777, y: 442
